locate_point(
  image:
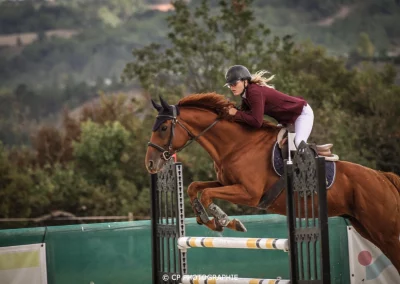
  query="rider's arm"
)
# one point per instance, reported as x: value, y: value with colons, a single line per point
x: 255, y: 116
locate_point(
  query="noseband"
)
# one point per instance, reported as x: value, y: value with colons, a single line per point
x: 167, y: 154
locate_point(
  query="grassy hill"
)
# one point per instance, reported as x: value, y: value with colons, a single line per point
x: 58, y: 54
x: 101, y: 36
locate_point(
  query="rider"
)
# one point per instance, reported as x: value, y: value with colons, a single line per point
x: 259, y: 98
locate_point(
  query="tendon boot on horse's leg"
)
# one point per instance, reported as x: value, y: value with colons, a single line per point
x: 202, y: 217
x: 222, y: 218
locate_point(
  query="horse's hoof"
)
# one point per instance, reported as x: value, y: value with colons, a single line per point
x: 238, y: 226
x: 218, y: 226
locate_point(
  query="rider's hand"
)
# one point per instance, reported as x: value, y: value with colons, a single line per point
x: 232, y: 111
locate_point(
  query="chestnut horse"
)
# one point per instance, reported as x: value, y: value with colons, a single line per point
x: 242, y: 159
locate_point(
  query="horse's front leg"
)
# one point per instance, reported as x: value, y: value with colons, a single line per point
x: 236, y: 194
x: 201, y: 214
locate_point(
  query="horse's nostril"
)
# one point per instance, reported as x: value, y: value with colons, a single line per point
x: 151, y: 164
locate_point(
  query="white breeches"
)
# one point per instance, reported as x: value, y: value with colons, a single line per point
x: 303, y: 125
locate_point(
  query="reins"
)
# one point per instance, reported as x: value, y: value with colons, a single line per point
x: 167, y: 153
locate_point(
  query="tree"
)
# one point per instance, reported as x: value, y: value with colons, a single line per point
x: 17, y: 188
x: 108, y: 17
x: 119, y: 11
x: 91, y: 166
x: 100, y: 148
x: 346, y: 106
x: 365, y: 48
x: 203, y: 44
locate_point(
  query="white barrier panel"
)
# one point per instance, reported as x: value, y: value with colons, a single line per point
x: 367, y: 262
x: 198, y: 279
x: 221, y: 242
x: 23, y: 264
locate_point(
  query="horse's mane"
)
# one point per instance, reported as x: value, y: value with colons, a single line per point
x: 215, y: 103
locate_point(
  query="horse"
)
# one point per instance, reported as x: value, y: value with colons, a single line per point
x: 370, y: 199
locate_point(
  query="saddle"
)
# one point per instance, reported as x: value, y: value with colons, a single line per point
x: 283, y: 141
x: 280, y: 152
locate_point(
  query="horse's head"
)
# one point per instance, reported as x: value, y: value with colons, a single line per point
x: 169, y: 135
x: 173, y: 131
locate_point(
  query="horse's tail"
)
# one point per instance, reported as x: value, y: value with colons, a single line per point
x: 394, y: 179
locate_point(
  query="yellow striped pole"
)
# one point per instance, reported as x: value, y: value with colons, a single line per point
x: 210, y: 279
x: 222, y: 242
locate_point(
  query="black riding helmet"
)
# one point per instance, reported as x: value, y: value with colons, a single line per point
x: 235, y: 73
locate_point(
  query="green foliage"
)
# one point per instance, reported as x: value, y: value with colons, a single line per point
x: 346, y: 105
x: 93, y: 165
x: 376, y: 18
x: 317, y: 8
x: 375, y: 111
x: 101, y: 51
x: 108, y: 17
x: 98, y: 52
x: 57, y: 185
x: 355, y: 109
x: 202, y: 45
x: 16, y: 188
x: 115, y: 12
x: 22, y: 108
x: 100, y: 149
x: 365, y: 48
x: 69, y: 190
x: 89, y: 167
x: 23, y: 16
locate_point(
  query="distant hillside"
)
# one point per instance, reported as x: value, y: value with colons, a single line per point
x: 62, y: 54
x: 28, y: 38
x: 95, y: 40
x: 344, y: 12
x: 335, y: 24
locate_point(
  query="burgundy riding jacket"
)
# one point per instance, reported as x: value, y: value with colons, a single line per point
x: 262, y: 100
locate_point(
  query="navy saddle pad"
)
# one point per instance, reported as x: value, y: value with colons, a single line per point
x: 277, y: 162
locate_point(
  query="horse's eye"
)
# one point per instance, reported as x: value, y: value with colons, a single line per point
x: 164, y: 128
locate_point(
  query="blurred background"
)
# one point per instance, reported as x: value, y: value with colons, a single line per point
x: 77, y: 76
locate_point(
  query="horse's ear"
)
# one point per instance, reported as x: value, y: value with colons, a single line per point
x: 156, y: 105
x: 164, y: 104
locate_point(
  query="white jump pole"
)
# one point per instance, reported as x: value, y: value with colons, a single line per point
x: 198, y: 279
x: 245, y: 243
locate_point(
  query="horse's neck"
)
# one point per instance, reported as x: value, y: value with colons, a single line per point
x: 224, y: 138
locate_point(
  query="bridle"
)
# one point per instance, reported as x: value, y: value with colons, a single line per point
x: 167, y: 154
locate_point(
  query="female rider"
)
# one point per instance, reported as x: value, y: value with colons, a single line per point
x: 259, y: 98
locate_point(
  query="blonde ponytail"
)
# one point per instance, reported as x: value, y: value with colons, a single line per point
x: 259, y: 79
